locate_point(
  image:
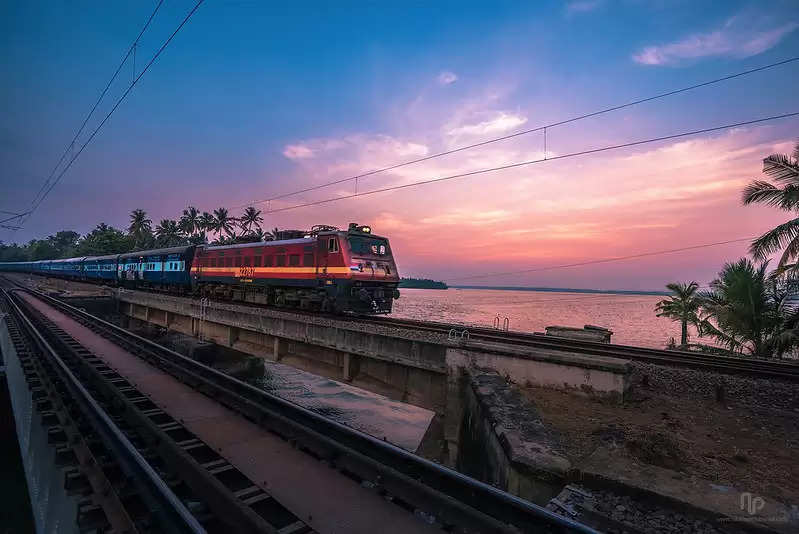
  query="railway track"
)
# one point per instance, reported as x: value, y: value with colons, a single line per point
x: 127, y: 480
x: 729, y: 365
x: 750, y: 367
x: 445, y: 498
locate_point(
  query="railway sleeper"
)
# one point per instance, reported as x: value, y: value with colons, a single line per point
x: 227, y: 478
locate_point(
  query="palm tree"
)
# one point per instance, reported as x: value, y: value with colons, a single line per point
x: 782, y: 194
x: 258, y: 235
x: 224, y: 223
x: 251, y: 217
x: 274, y: 235
x: 743, y: 309
x: 168, y: 233
x: 682, y: 306
x: 140, y: 227
x: 206, y: 222
x: 190, y: 221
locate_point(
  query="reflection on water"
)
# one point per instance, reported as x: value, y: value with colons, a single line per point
x: 631, y: 317
x: 396, y: 422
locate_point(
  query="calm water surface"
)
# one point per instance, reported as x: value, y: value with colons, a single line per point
x: 631, y: 317
x: 377, y: 415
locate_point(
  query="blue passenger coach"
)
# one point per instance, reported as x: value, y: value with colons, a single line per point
x: 161, y: 267
x: 100, y: 268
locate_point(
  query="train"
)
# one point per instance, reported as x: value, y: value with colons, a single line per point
x: 325, y: 269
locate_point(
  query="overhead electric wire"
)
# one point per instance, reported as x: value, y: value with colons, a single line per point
x: 532, y: 162
x: 528, y: 131
x: 116, y: 105
x: 604, y: 260
x: 16, y: 216
x: 97, y: 103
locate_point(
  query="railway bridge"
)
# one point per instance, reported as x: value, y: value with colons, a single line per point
x: 419, y: 363
x: 148, y: 440
x: 136, y: 428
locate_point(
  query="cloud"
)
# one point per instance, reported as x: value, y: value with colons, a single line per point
x: 500, y: 123
x: 582, y: 6
x: 735, y: 39
x: 298, y: 152
x: 447, y: 77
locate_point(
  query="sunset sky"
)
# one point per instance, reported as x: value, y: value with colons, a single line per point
x: 255, y: 99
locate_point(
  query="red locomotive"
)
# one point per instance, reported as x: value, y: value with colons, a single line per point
x: 326, y: 269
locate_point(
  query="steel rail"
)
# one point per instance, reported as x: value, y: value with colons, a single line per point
x: 66, y: 432
x: 235, y: 500
x: 454, y: 499
x: 162, y: 501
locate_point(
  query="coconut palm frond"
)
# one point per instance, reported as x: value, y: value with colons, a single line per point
x: 774, y: 240
x: 781, y: 168
x: 759, y: 191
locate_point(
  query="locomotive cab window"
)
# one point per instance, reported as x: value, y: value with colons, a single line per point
x: 368, y: 246
x: 332, y: 245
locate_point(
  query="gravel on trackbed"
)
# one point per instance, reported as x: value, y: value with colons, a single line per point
x: 691, y: 383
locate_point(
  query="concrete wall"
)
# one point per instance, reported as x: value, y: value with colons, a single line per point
x: 54, y: 511
x: 504, y: 442
x: 407, y: 370
x: 589, y: 375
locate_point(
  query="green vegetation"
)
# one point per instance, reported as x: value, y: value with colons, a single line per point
x: 682, y: 306
x: 746, y: 309
x: 421, y: 283
x: 192, y: 227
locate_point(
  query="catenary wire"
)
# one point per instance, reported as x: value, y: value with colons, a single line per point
x: 532, y: 162
x: 527, y: 131
x: 116, y: 105
x: 97, y: 103
x: 603, y: 260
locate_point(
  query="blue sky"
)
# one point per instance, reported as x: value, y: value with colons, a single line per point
x: 254, y: 98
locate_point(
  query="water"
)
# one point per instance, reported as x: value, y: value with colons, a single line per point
x: 399, y: 423
x: 632, y: 318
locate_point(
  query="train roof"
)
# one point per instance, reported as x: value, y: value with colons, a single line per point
x: 106, y: 257
x: 300, y: 241
x: 156, y: 252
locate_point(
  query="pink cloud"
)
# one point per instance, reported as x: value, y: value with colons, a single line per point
x: 737, y: 38
x: 298, y: 152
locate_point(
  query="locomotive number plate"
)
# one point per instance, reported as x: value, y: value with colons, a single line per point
x: 246, y: 272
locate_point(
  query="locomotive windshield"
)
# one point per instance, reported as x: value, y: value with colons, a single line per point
x: 368, y: 246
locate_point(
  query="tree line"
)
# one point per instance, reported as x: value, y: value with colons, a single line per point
x: 748, y: 309
x: 192, y: 227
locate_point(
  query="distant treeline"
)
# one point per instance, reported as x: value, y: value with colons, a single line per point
x: 191, y: 228
x: 421, y: 283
